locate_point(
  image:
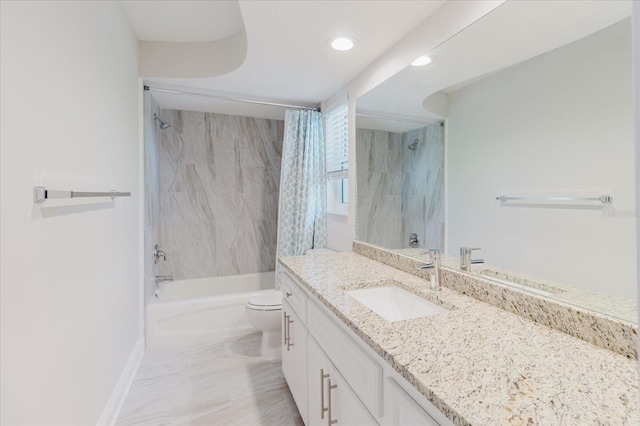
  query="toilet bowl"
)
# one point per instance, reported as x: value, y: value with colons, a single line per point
x: 265, y: 314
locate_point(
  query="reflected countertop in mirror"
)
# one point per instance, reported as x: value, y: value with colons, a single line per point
x: 603, y: 303
x: 507, y: 107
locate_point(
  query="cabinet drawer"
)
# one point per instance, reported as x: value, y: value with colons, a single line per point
x: 360, y: 370
x: 400, y: 409
x: 293, y: 293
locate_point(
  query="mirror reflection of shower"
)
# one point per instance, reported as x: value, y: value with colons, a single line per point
x: 413, y: 146
x: 163, y: 124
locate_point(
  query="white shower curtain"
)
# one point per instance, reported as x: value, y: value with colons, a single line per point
x: 302, y: 209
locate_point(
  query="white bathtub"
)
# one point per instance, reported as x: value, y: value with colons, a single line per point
x: 206, y: 309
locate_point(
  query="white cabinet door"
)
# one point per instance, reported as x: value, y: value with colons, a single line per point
x: 401, y: 409
x: 363, y: 372
x: 331, y: 400
x: 294, y: 357
x: 316, y: 389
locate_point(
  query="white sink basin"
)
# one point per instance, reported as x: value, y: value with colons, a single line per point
x: 395, y: 304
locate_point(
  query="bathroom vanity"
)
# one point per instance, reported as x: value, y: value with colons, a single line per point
x: 474, y: 363
x: 334, y: 377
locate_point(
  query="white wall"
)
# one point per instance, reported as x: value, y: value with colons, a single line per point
x: 559, y: 124
x: 446, y: 21
x: 70, y: 292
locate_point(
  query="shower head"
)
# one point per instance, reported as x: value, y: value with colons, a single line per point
x: 163, y: 124
x: 413, y: 146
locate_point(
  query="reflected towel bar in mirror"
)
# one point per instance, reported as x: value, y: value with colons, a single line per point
x: 604, y: 199
x: 42, y: 194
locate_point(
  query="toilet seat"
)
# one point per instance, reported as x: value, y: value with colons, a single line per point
x: 271, y: 301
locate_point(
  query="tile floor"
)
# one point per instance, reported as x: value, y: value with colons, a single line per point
x: 224, y: 383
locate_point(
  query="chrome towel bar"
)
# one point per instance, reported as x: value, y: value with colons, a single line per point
x: 42, y: 194
x: 604, y: 199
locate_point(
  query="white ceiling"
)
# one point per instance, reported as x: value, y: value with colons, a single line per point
x: 288, y: 58
x: 512, y: 33
x: 183, y: 21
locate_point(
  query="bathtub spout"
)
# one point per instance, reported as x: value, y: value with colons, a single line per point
x: 161, y: 278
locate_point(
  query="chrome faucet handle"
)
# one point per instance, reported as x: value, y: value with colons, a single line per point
x: 414, y: 242
x: 436, y: 277
x: 435, y: 264
x: 435, y: 256
x: 465, y: 258
x: 157, y: 254
x: 465, y: 250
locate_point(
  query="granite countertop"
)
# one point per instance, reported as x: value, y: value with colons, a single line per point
x: 478, y: 364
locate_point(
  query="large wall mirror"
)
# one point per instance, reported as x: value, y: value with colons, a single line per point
x: 533, y: 102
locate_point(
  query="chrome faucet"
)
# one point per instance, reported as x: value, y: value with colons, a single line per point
x: 465, y: 258
x: 161, y: 278
x: 435, y: 264
x: 157, y: 254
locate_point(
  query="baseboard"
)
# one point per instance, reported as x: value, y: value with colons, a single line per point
x: 114, y: 405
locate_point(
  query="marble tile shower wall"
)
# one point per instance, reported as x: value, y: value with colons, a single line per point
x: 400, y: 190
x: 380, y: 178
x: 423, y: 186
x: 151, y: 193
x: 219, y: 182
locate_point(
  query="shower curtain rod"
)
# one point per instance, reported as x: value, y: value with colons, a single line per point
x: 226, y: 98
x: 406, y: 120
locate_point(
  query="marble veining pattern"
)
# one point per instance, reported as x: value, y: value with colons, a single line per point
x: 400, y: 190
x: 151, y: 193
x: 423, y: 186
x: 219, y: 182
x: 222, y: 383
x: 380, y: 177
x: 605, y: 331
x: 478, y: 364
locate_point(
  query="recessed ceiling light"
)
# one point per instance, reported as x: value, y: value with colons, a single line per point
x: 421, y: 61
x: 342, y: 43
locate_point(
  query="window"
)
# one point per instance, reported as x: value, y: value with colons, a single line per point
x: 337, y: 144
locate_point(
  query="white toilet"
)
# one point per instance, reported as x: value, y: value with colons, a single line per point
x: 265, y: 314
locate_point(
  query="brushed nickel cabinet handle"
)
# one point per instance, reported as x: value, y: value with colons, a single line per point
x: 289, y: 322
x: 329, y: 421
x: 284, y: 328
x: 322, y: 407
